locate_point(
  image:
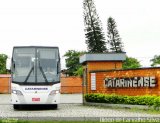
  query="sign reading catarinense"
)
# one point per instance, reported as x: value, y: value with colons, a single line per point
x: 149, y: 81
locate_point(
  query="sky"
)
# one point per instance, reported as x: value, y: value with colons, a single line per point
x: 60, y: 23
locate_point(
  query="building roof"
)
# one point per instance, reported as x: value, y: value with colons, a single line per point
x: 103, y: 57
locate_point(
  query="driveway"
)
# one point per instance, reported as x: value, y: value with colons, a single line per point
x: 71, y: 108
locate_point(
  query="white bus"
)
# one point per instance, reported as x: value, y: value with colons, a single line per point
x: 35, y: 73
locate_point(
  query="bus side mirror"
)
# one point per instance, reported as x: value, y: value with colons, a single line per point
x: 8, y: 64
x: 58, y: 67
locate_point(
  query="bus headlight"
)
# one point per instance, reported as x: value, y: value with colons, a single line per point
x: 17, y: 92
x: 54, y: 92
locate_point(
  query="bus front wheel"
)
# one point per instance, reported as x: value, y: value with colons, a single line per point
x: 55, y: 106
x: 16, y: 107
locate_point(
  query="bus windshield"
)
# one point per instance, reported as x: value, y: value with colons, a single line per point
x: 35, y: 65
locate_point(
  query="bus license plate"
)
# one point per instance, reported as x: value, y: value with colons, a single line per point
x: 35, y: 99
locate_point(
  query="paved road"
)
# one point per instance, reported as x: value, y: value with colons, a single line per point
x: 71, y: 107
x: 71, y: 98
x: 70, y: 111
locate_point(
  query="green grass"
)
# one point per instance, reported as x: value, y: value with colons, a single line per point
x: 28, y: 121
x: 118, y: 121
x: 59, y: 122
x: 148, y: 111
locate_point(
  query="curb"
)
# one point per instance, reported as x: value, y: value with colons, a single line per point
x: 118, y: 105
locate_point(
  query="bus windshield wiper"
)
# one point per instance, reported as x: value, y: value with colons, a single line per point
x: 29, y: 74
x: 44, y: 76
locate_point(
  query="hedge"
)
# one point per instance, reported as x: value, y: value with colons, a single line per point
x: 119, y: 99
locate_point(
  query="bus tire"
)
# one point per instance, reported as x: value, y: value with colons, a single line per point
x: 55, y: 106
x: 16, y: 107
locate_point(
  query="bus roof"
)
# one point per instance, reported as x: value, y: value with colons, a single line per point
x: 35, y: 47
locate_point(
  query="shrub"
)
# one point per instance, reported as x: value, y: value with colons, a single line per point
x: 156, y: 103
x: 119, y: 99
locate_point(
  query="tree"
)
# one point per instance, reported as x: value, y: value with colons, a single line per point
x: 79, y: 72
x: 114, y: 39
x: 95, y: 39
x: 130, y: 63
x: 3, y: 59
x: 72, y: 62
x: 156, y: 60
